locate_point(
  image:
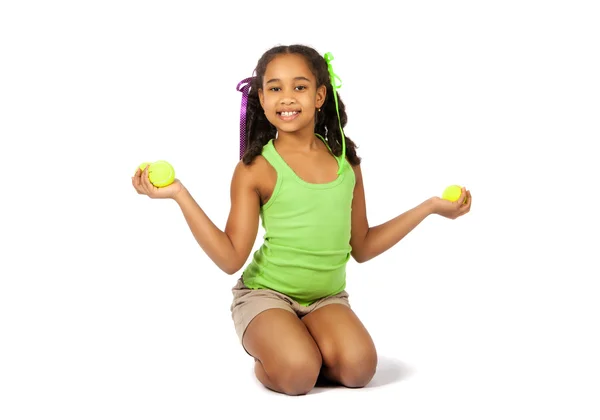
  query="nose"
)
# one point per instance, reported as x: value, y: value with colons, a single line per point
x: 287, y: 97
x: 286, y: 100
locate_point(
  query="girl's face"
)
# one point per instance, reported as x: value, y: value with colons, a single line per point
x: 289, y: 95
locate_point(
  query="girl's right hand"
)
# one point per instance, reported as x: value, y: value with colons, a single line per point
x: 142, y: 185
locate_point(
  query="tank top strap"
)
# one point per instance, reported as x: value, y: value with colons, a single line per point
x: 271, y: 155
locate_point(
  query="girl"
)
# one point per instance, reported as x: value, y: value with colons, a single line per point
x: 301, y: 176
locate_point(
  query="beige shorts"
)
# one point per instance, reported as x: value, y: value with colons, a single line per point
x: 247, y: 303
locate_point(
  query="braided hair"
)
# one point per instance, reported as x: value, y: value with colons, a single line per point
x: 258, y: 128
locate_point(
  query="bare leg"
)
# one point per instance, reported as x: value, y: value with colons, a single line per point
x: 287, y: 359
x: 348, y: 352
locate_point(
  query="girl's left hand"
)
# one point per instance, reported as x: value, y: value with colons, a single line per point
x: 453, y: 209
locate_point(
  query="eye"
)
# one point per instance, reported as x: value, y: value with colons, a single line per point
x: 301, y: 87
x: 273, y: 89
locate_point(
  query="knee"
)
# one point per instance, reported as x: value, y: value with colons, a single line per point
x: 297, y: 374
x: 356, y: 367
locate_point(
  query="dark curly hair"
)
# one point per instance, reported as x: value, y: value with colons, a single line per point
x: 259, y: 130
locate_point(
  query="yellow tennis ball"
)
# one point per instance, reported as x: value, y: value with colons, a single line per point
x: 452, y: 193
x: 143, y: 165
x: 161, y: 173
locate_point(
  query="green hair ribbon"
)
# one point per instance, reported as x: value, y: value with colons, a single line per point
x: 336, y: 83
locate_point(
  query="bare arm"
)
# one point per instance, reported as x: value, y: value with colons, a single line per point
x: 369, y: 242
x: 230, y: 248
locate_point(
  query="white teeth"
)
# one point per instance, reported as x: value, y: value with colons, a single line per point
x: 288, y: 114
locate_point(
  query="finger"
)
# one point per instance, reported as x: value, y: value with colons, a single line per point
x: 463, y: 196
x: 134, y: 184
x: 137, y: 177
x: 135, y: 181
x: 148, y: 187
x: 140, y: 180
x: 467, y: 207
x: 138, y: 173
x: 144, y: 181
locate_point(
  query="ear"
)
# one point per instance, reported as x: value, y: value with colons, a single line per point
x: 321, y: 95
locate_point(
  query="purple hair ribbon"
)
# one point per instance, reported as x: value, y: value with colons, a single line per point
x: 245, y: 89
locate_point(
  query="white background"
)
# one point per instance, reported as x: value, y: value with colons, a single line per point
x: 109, y: 309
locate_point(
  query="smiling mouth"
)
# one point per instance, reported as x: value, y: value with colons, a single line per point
x: 288, y: 115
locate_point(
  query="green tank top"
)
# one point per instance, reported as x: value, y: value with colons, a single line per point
x: 307, y: 234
